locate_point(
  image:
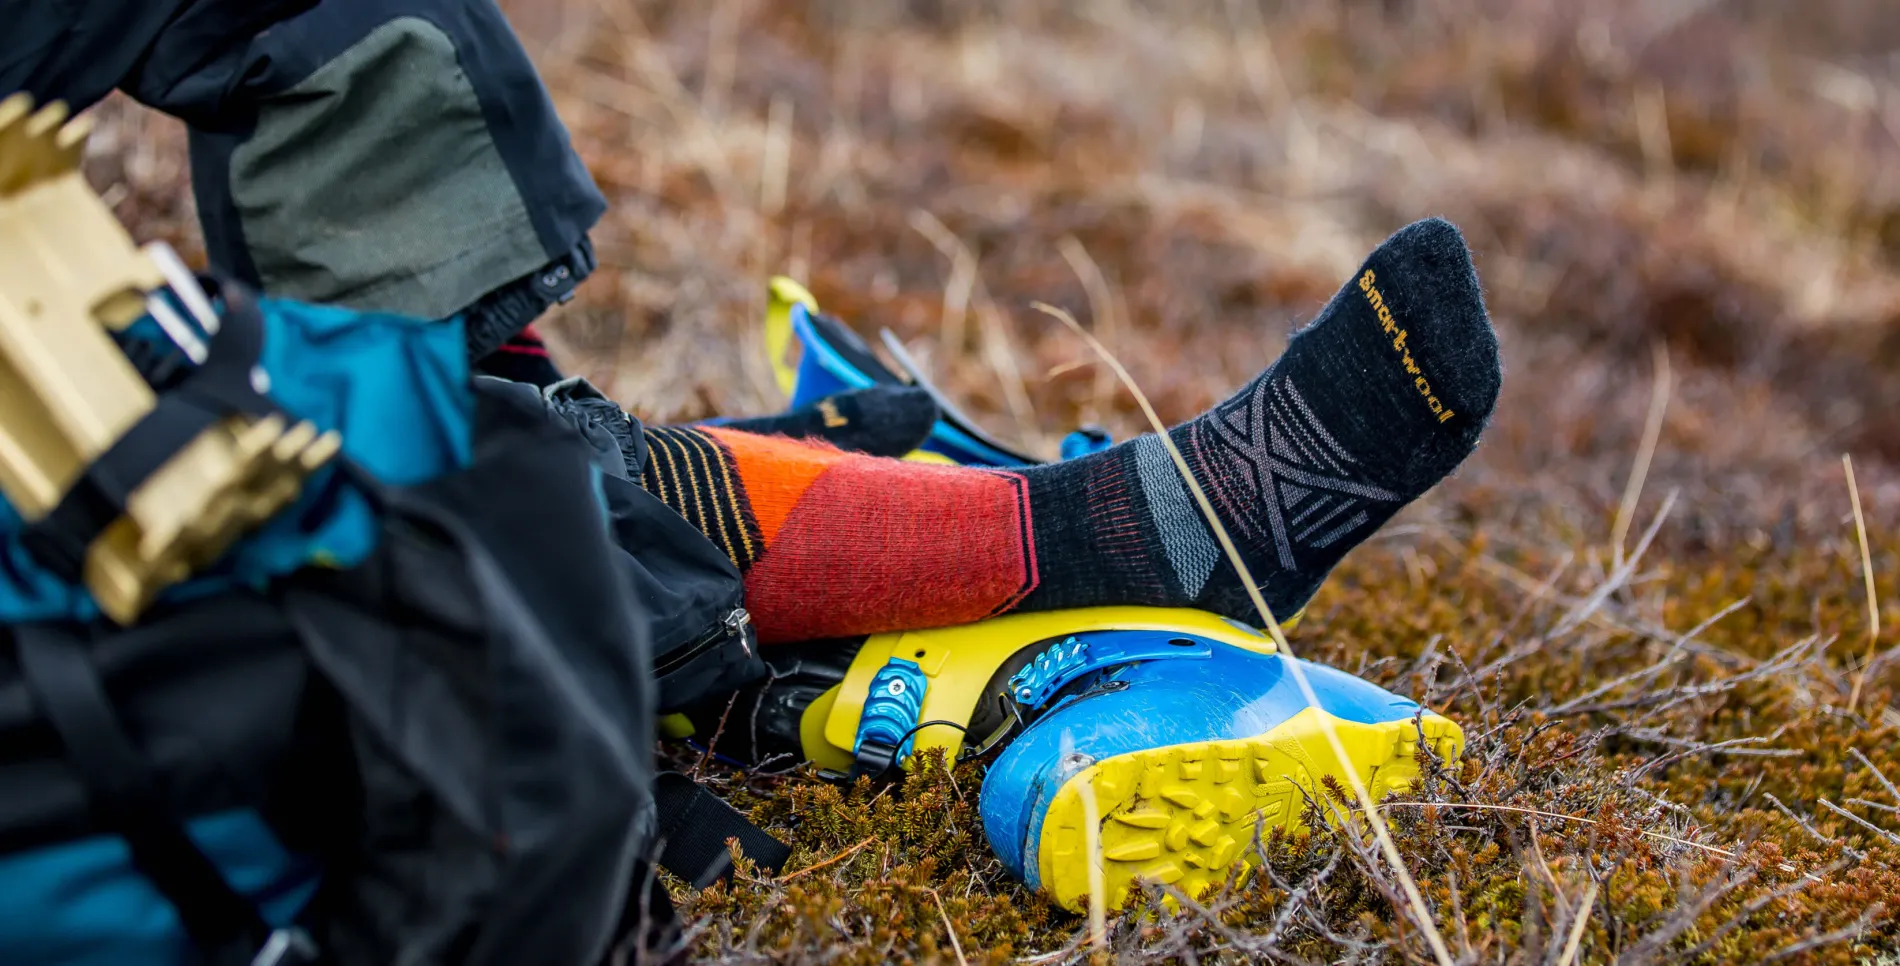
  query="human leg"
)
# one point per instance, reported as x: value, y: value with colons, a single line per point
x: 1371, y: 405
x: 386, y: 155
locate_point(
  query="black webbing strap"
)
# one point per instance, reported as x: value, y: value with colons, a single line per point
x: 694, y: 827
x: 125, y: 796
x: 60, y: 539
x: 218, y: 388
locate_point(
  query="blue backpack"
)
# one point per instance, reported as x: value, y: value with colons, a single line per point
x: 409, y: 719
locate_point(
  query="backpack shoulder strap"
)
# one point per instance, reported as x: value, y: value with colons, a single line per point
x: 694, y: 827
x: 124, y: 794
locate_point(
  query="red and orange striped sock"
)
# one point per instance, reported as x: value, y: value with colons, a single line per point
x: 836, y: 544
x: 1371, y: 405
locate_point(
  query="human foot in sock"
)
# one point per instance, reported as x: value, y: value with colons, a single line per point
x: 880, y: 421
x: 1373, y: 403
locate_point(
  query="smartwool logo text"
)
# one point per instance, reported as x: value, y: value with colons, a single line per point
x: 1419, y: 382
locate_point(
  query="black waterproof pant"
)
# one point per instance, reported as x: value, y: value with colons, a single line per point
x: 385, y: 155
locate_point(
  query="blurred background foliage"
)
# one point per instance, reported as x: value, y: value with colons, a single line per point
x: 1687, y: 217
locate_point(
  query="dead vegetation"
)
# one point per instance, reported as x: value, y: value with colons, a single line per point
x: 1683, y: 747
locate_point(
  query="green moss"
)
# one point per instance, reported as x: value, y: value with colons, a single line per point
x: 1499, y: 881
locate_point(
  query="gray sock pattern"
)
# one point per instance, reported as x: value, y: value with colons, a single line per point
x: 1184, y: 535
x: 1358, y: 520
x: 1306, y: 481
x: 1372, y: 403
x: 1286, y: 391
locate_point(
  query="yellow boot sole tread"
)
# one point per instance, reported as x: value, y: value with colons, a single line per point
x: 1185, y: 815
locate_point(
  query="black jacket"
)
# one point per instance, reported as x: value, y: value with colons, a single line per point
x: 77, y: 51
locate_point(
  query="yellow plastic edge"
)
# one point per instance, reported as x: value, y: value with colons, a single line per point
x: 811, y: 733
x: 926, y: 456
x: 781, y: 294
x: 675, y: 726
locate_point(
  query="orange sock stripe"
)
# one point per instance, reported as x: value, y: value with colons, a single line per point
x: 882, y: 545
x: 849, y: 544
x: 776, y: 472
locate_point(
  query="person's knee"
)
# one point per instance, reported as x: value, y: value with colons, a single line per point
x: 396, y: 157
x: 375, y: 183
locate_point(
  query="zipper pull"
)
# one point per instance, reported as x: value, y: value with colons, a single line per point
x: 735, y: 627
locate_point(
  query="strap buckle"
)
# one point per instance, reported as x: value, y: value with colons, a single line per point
x: 288, y: 946
x: 893, y: 705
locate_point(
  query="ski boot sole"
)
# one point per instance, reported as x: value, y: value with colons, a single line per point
x: 1186, y: 815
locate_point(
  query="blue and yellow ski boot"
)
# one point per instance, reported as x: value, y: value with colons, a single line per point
x: 1161, y: 741
x: 1165, y: 753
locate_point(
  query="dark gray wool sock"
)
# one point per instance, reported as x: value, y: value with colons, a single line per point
x: 880, y: 421
x: 1372, y: 404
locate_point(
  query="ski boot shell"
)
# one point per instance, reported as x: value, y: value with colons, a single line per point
x: 962, y: 673
x: 1176, y: 762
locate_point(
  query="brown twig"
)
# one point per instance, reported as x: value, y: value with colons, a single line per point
x: 1867, y: 573
x: 1577, y: 927
x: 1645, y: 453
x: 1479, y: 806
x: 955, y: 946
x: 840, y: 857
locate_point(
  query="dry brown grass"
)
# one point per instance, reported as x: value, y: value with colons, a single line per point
x: 1192, y: 180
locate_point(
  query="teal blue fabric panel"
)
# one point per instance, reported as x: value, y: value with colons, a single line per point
x: 397, y: 390
x: 82, y: 903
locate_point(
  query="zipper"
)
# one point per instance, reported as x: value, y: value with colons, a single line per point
x: 731, y: 626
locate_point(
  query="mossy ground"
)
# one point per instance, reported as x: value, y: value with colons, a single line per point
x: 1664, y: 762
x: 1690, y: 775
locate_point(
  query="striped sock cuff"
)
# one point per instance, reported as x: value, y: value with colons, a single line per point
x: 694, y: 473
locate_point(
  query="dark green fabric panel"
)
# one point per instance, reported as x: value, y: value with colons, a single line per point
x: 375, y: 183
